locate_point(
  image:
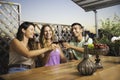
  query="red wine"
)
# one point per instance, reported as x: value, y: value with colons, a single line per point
x: 55, y: 42
x: 60, y: 41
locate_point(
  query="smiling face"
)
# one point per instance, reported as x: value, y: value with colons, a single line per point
x: 76, y: 30
x: 47, y: 33
x: 29, y: 32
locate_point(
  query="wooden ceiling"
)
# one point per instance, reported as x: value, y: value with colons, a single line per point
x: 90, y: 5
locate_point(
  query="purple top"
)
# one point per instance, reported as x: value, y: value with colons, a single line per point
x: 54, y: 58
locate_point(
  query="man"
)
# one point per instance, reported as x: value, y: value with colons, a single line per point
x: 76, y: 46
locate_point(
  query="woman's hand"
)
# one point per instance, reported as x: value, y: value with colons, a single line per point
x: 53, y: 46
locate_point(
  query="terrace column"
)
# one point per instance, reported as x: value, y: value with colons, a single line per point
x: 96, y: 24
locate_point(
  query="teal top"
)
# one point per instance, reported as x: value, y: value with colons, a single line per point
x: 78, y: 55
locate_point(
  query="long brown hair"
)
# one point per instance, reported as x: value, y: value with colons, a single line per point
x: 41, y: 38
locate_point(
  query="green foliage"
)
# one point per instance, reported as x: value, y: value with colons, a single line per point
x: 111, y: 26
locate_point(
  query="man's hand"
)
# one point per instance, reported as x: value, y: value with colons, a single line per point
x: 66, y: 45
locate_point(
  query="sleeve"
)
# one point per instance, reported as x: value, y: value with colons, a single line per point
x: 90, y: 41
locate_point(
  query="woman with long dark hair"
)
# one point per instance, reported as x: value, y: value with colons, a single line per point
x: 22, y: 51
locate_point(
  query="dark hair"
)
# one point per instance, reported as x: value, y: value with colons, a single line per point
x: 20, y: 34
x: 41, y: 38
x: 24, y: 26
x: 77, y: 24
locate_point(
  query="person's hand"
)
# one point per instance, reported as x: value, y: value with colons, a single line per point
x: 54, y: 46
x: 66, y: 45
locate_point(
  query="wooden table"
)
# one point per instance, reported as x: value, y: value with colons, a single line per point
x: 68, y: 71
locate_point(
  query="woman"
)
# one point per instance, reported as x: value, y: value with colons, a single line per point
x: 46, y: 39
x: 21, y: 55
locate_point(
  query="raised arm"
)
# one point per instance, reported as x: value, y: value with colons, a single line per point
x: 62, y: 56
x: 69, y: 46
x: 19, y: 48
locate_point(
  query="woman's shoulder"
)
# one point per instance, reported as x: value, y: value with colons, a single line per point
x: 14, y: 40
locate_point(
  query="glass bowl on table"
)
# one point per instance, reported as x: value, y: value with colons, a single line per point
x: 99, y: 49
